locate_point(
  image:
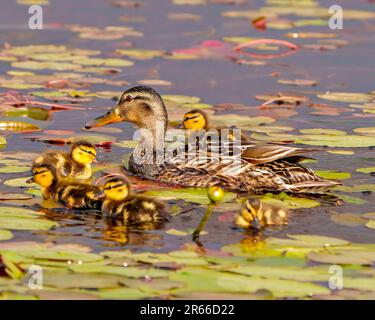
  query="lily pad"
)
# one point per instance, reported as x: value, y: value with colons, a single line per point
x: 366, y: 170
x: 371, y: 224
x: 5, y: 235
x: 16, y: 223
x: 195, y: 195
x: 349, y: 97
x: 333, y: 174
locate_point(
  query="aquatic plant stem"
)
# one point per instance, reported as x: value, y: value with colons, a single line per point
x: 202, y: 223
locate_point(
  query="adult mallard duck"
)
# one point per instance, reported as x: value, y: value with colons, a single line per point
x: 121, y: 203
x: 75, y: 164
x: 255, y: 214
x: 71, y: 194
x: 257, y: 169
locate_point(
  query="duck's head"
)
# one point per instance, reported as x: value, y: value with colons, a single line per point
x: 140, y: 105
x: 83, y: 152
x: 252, y: 212
x: 116, y: 189
x: 43, y: 174
x: 194, y: 120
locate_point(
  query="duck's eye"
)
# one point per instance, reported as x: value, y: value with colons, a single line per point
x: 129, y: 98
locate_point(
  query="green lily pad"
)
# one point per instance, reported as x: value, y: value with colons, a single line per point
x: 195, y: 195
x: 125, y: 293
x: 5, y: 235
x: 73, y: 280
x: 331, y: 132
x: 16, y: 223
x: 181, y: 99
x: 366, y: 170
x: 371, y: 224
x: 197, y: 280
x: 19, y: 212
x: 348, y: 97
x: 333, y: 175
x: 366, y: 131
x: 290, y: 202
x: 348, y: 220
x: 132, y: 272
x: 319, y: 240
x: 13, y: 169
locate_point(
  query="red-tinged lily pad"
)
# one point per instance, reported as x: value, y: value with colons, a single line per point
x: 292, y: 48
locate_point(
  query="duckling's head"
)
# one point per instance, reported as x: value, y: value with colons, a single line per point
x: 140, y: 105
x: 195, y: 120
x: 252, y: 212
x: 116, y: 189
x: 43, y: 174
x: 83, y: 152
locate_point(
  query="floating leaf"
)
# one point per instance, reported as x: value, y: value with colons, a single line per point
x: 348, y: 97
x: 371, y: 224
x: 370, y: 131
x: 71, y: 280
x: 5, y: 235
x: 181, y: 99
x: 16, y: 223
x: 17, y: 126
x: 331, y: 132
x: 333, y: 174
x: 195, y: 195
x: 19, y: 212
x: 366, y: 170
x: 14, y: 169
x: 348, y: 220
x: 289, y: 201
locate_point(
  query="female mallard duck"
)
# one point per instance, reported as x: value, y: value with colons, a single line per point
x: 71, y: 194
x: 257, y: 215
x: 133, y: 209
x: 267, y: 168
x: 76, y: 164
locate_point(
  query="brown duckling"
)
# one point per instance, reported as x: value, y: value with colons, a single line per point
x: 257, y: 215
x: 76, y: 164
x: 71, y: 194
x: 133, y: 209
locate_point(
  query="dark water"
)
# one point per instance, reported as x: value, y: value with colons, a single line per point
x: 216, y: 81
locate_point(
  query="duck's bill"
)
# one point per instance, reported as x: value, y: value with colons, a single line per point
x: 256, y: 224
x: 108, y: 118
x: 31, y: 180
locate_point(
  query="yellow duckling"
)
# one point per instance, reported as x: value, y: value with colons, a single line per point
x: 76, y: 164
x: 119, y: 202
x: 257, y: 215
x: 197, y: 120
x: 71, y: 194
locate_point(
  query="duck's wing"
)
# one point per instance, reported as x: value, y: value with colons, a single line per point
x: 260, y: 154
x: 299, y: 179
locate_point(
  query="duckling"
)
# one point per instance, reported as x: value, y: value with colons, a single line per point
x: 133, y: 209
x: 258, y: 169
x: 76, y: 164
x: 257, y: 215
x: 197, y: 120
x: 71, y: 194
